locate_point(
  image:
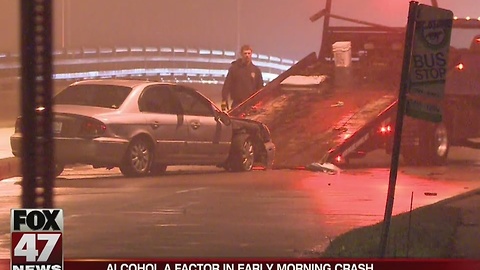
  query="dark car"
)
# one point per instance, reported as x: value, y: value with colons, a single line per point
x: 144, y: 126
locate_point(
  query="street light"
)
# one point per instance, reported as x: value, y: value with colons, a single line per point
x: 238, y: 25
x: 63, y: 24
x: 65, y: 9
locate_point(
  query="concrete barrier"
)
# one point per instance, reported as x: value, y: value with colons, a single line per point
x: 9, y: 167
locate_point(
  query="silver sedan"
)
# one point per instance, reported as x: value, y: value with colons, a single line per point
x: 144, y: 126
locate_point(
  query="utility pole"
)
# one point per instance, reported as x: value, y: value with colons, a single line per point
x: 36, y: 92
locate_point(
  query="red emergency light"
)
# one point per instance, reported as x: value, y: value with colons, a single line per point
x: 385, y: 129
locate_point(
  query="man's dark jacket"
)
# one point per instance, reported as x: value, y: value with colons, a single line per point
x: 241, y: 82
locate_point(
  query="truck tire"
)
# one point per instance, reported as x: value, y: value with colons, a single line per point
x: 438, y: 146
x: 432, y: 149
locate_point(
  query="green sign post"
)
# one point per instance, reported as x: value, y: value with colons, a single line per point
x: 422, y: 83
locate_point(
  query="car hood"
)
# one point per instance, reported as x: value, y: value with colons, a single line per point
x: 251, y: 125
x: 243, y: 121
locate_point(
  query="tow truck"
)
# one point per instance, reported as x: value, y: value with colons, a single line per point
x: 320, y: 111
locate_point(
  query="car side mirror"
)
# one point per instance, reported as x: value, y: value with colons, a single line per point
x: 224, y: 118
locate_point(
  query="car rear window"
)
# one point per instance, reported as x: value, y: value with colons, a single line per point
x: 105, y: 96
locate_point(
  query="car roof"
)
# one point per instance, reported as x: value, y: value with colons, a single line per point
x: 118, y: 82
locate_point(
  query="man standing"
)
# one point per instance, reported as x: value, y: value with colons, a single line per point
x: 243, y: 79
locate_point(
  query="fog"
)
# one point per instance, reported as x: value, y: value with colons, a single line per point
x: 274, y: 27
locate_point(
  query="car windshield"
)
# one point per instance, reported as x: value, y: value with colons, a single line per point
x: 105, y: 96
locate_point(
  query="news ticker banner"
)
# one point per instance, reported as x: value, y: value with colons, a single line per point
x: 255, y: 264
x: 37, y: 244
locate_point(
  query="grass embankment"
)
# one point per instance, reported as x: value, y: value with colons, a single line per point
x: 427, y: 232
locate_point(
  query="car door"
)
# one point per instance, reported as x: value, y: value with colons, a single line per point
x: 165, y: 122
x: 208, y: 138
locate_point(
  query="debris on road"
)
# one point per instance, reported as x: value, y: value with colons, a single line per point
x: 338, y: 104
x: 323, y: 167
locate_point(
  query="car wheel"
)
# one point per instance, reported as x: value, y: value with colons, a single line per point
x: 58, y: 169
x: 242, y: 155
x: 138, y: 158
x: 157, y: 169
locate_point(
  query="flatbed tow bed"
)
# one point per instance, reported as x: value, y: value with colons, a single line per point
x: 325, y: 125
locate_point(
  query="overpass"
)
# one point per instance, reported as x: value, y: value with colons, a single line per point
x: 206, y: 69
x: 170, y: 64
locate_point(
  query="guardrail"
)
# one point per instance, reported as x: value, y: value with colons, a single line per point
x: 171, y: 64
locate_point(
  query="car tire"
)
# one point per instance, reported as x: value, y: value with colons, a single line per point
x: 157, y: 169
x: 242, y: 154
x: 138, y: 158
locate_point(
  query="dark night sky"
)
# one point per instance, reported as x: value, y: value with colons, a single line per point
x: 274, y: 27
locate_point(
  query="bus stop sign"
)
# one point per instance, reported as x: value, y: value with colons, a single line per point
x: 428, y: 65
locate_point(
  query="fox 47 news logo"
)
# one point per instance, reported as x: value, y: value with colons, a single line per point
x: 36, y: 239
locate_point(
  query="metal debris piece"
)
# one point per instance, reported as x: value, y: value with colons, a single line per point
x: 323, y: 167
x: 338, y: 104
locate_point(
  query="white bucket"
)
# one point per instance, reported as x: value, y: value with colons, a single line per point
x: 342, y: 53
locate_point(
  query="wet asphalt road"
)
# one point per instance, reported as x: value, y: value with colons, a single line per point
x: 206, y: 212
